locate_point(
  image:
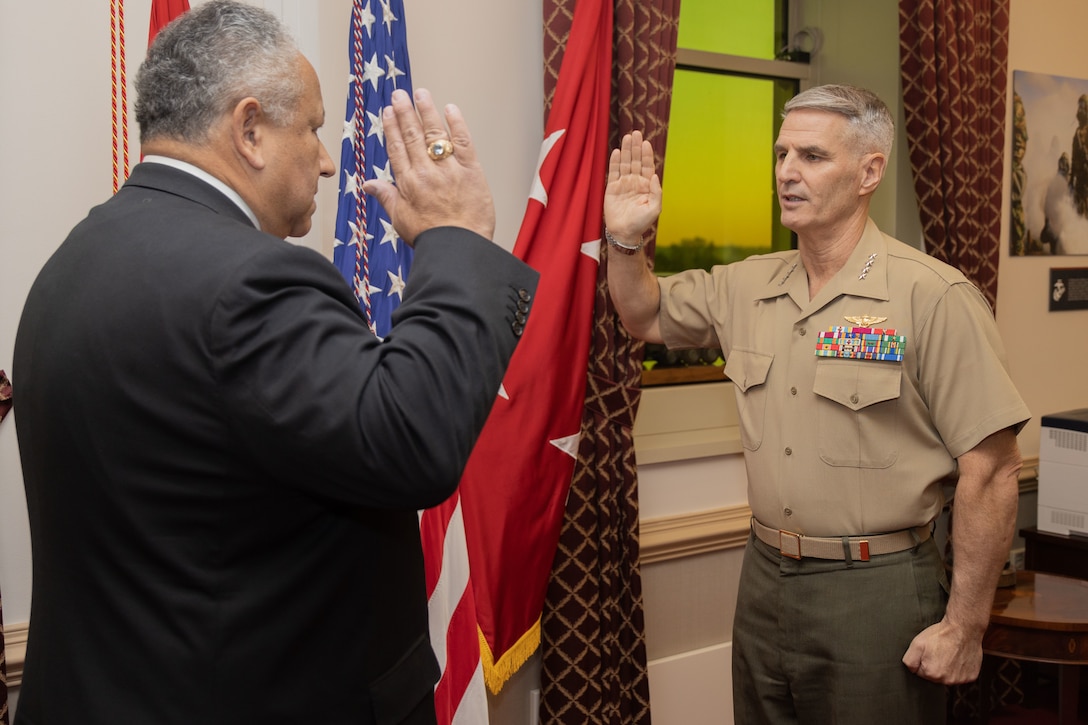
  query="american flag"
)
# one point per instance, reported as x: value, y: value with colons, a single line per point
x: 375, y: 262
x: 368, y: 252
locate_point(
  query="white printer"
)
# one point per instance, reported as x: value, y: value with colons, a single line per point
x: 1063, y: 473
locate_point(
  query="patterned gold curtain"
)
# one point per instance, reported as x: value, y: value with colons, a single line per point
x: 592, y: 633
x: 954, y: 68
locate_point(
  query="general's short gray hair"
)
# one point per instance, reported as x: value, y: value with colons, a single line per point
x: 206, y: 61
x: 869, y: 116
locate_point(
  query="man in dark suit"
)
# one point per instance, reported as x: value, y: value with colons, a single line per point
x: 222, y: 464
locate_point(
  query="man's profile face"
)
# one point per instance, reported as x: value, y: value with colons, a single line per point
x: 296, y: 159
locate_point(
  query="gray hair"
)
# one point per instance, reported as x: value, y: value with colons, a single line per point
x: 869, y: 117
x: 206, y: 61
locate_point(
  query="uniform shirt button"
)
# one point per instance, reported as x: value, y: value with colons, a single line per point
x: 789, y: 451
x: 802, y: 332
x: 793, y: 391
x: 854, y: 398
x: 787, y: 511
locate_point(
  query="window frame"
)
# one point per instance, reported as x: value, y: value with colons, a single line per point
x: 703, y: 61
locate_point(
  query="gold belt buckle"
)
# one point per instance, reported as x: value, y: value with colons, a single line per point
x: 794, y: 540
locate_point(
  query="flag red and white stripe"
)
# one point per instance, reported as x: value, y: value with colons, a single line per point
x: 460, y: 698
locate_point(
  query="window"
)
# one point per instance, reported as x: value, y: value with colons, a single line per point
x: 719, y: 202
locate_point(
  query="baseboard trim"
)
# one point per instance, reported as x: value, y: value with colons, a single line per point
x: 15, y: 651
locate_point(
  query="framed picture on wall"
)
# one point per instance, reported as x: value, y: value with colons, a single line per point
x: 1049, y: 169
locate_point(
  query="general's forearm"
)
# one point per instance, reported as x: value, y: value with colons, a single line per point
x: 636, y: 295
x: 984, y: 517
x: 982, y: 532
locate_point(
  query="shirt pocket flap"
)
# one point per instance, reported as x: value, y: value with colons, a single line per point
x: 747, y: 368
x: 857, y: 385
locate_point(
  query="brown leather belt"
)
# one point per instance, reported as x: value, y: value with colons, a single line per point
x: 861, y: 548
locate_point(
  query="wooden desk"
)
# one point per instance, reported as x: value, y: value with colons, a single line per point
x: 1043, y: 619
x: 1055, y: 553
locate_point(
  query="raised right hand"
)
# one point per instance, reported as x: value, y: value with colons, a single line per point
x: 632, y: 199
x: 448, y: 192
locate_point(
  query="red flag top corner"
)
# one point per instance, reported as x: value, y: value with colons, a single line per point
x: 162, y: 12
x: 514, y: 488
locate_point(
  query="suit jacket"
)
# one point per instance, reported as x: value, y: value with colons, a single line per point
x: 223, y: 465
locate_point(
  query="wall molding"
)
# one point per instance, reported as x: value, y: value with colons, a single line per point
x: 15, y: 651
x: 697, y: 532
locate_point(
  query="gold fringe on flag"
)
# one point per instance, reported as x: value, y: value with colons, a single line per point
x: 497, y: 674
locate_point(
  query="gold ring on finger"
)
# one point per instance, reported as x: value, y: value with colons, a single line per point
x: 440, y: 149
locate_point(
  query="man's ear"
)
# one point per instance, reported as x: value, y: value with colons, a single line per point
x: 873, y: 168
x: 247, y: 131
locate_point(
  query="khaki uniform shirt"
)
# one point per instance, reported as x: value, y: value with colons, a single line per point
x: 838, y: 446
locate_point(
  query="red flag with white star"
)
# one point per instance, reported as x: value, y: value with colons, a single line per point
x: 515, y: 486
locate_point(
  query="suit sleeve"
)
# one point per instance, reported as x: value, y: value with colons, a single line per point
x: 317, y: 402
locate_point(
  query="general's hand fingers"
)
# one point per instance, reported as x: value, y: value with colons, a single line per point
x: 636, y: 153
x: 614, y: 166
x: 463, y: 148
x: 647, y: 165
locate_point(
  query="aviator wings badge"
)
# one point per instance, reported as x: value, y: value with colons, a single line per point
x: 864, y: 320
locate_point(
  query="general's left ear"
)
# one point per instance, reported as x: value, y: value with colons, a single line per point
x: 247, y: 131
x: 872, y: 172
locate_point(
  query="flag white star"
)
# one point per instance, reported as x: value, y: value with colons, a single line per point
x: 372, y: 71
x: 396, y: 283
x: 392, y: 71
x: 387, y: 16
x: 356, y: 233
x: 383, y: 172
x: 390, y: 234
x: 503, y: 393
x: 352, y: 184
x: 366, y: 19
x: 349, y: 130
x: 568, y: 444
x: 538, y: 191
x: 376, y: 127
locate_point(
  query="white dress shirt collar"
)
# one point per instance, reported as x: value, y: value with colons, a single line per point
x: 207, y: 178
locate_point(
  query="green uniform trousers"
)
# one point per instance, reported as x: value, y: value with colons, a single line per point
x: 818, y: 642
